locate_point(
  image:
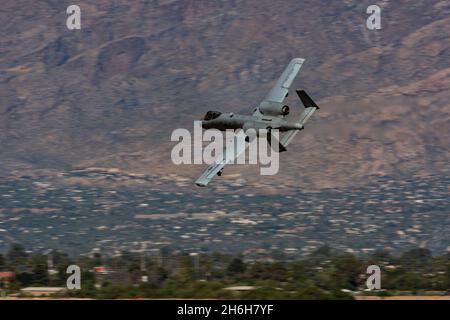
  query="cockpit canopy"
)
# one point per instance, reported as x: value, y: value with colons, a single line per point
x: 210, y: 115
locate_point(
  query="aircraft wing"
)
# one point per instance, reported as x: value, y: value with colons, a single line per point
x: 281, y: 88
x: 227, y: 156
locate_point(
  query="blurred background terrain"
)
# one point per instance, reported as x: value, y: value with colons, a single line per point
x: 86, y: 118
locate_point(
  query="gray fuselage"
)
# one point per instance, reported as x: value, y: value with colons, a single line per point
x: 224, y: 121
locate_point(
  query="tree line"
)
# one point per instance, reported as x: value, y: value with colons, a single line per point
x: 324, y: 274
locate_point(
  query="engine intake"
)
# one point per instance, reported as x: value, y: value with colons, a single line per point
x: 273, y: 108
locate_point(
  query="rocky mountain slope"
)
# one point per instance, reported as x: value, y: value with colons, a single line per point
x: 110, y: 94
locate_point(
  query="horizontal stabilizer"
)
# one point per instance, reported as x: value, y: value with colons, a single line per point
x: 310, y: 107
x: 306, y: 100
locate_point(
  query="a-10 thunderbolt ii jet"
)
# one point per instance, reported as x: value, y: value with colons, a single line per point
x: 270, y: 114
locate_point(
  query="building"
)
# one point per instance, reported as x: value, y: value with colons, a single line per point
x: 240, y: 288
x: 101, y: 270
x: 5, y: 276
x: 42, y: 291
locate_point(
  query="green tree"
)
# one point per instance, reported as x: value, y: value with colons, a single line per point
x: 447, y: 277
x: 346, y: 271
x: 236, y: 266
x: 87, y: 286
x: 24, y: 279
x: 16, y: 253
x: 2, y: 262
x: 98, y: 259
x: 40, y: 270
x: 157, y: 276
x: 299, y: 273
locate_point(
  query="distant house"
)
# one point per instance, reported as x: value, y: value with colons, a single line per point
x: 240, y: 288
x: 6, y: 275
x: 4, y: 278
x: 101, y: 270
x: 42, y: 291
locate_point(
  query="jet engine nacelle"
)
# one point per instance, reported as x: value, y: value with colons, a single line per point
x: 274, y: 109
x: 285, y: 110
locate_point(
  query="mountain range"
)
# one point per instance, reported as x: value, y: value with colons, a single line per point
x: 110, y: 95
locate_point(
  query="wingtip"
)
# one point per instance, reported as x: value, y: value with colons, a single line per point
x: 298, y: 60
x: 200, y: 184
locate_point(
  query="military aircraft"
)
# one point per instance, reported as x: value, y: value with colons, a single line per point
x: 270, y: 114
